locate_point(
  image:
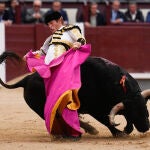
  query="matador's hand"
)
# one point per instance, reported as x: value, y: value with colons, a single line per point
x: 76, y: 45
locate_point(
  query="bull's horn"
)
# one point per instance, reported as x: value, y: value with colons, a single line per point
x: 113, y: 112
x: 145, y: 93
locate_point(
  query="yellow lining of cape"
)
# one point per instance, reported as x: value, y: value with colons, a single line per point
x: 68, y: 99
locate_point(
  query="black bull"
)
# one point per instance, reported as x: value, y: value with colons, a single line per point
x: 106, y: 90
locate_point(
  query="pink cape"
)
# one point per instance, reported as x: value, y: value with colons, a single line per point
x: 61, y: 75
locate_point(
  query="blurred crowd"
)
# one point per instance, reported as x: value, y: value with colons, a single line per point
x: 94, y: 18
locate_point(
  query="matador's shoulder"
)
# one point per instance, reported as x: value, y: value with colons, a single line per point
x: 71, y: 27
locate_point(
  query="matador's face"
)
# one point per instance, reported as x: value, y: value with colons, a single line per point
x: 54, y: 25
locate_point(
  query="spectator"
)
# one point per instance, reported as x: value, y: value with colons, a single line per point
x: 95, y: 18
x: 5, y: 15
x: 133, y: 14
x: 117, y: 17
x: 148, y: 17
x: 12, y: 9
x: 57, y: 6
x: 34, y: 15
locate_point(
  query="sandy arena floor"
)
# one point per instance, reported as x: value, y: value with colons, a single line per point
x: 22, y: 129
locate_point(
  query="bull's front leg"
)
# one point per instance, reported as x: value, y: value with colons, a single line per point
x: 86, y: 126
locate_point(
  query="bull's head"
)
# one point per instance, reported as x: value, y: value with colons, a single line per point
x: 136, y: 110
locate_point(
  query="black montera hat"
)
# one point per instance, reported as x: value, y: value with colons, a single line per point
x: 52, y: 16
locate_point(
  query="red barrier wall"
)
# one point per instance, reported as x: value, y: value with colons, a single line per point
x: 128, y: 45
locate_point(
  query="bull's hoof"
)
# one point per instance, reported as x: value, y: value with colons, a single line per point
x: 119, y: 134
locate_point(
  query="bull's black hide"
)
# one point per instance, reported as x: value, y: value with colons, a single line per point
x: 100, y: 91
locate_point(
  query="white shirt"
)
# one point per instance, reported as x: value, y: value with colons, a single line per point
x: 133, y: 16
x: 67, y: 35
x: 93, y: 21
